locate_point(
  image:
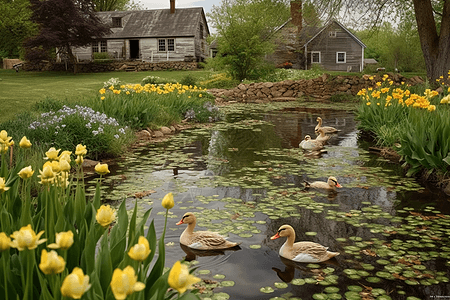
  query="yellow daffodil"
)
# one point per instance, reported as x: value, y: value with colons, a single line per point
x: 102, y: 91
x: 105, y: 215
x: 102, y: 98
x: 4, y: 138
x: 5, y: 241
x: 26, y: 238
x: 65, y: 155
x: 3, y: 187
x: 180, y: 278
x: 80, y: 150
x: 63, y: 240
x: 125, y: 283
x: 141, y: 250
x: 4, y: 148
x: 51, y: 263
x: 446, y: 99
x: 52, y: 154
x: 26, y: 172
x: 47, y: 176
x: 64, y: 165
x: 167, y: 201
x: 75, y: 284
x: 432, y: 108
x: 79, y: 160
x: 24, y: 143
x: 101, y: 169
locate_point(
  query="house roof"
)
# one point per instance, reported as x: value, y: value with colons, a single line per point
x: 155, y: 22
x: 328, y: 25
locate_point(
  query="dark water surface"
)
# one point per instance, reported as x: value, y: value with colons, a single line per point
x: 244, y: 178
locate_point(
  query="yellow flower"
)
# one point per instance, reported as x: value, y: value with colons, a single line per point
x: 3, y: 187
x: 378, y: 83
x: 25, y: 143
x: 79, y: 160
x: 26, y: 172
x: 65, y: 155
x: 64, y: 165
x: 371, y: 78
x: 52, y: 154
x: 5, y: 139
x: 63, y: 240
x: 141, y: 250
x: 102, y: 98
x: 47, y: 175
x: 105, y: 215
x: 180, y: 279
x: 5, y: 241
x: 75, y: 284
x: 125, y: 282
x: 200, y: 95
x: 167, y: 201
x: 446, y: 99
x: 80, y: 150
x: 54, y: 165
x: 51, y: 262
x: 26, y: 238
x: 102, y: 91
x: 368, y: 103
x: 101, y: 169
x: 432, y: 108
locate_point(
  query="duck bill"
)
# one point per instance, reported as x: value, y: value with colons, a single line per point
x: 180, y: 222
x: 338, y: 185
x: 275, y: 236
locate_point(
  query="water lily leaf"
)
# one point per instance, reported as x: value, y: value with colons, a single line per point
x: 227, y: 283
x: 281, y: 285
x: 267, y: 289
x: 219, y: 276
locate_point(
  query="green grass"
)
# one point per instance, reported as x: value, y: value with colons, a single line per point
x: 19, y: 91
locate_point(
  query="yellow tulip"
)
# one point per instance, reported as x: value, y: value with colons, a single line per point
x: 141, y: 250
x: 24, y: 143
x: 5, y: 139
x: 3, y: 187
x: 64, y: 165
x: 79, y: 159
x: 5, y: 241
x: 75, y: 284
x: 80, y: 150
x: 4, y: 148
x: 101, y: 169
x: 63, y: 240
x: 47, y: 176
x: 26, y: 238
x: 105, y: 215
x: 51, y: 263
x: 54, y: 165
x: 180, y: 278
x: 65, y: 155
x: 432, y: 108
x: 167, y: 201
x: 125, y: 282
x: 52, y: 154
x: 26, y: 172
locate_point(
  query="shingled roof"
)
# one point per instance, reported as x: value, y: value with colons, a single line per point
x: 155, y: 22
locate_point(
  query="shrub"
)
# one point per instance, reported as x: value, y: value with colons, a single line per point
x: 102, y: 55
x: 156, y: 80
x: 188, y: 80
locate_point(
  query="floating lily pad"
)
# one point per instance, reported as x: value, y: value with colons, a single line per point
x: 298, y: 281
x: 331, y: 289
x: 320, y: 296
x: 280, y: 285
x: 254, y: 246
x: 203, y: 272
x: 219, y: 276
x: 220, y: 296
x: 227, y: 283
x: 311, y: 233
x: 267, y: 289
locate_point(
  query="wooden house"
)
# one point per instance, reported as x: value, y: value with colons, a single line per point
x: 152, y: 35
x: 332, y: 46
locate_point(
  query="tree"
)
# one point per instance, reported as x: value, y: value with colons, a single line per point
x: 119, y: 5
x: 245, y: 29
x: 432, y: 18
x: 15, y: 26
x: 64, y: 24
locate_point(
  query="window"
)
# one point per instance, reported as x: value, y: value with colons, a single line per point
x: 100, y: 46
x: 162, y: 45
x: 341, y: 57
x: 315, y: 57
x: 116, y: 22
x: 332, y: 34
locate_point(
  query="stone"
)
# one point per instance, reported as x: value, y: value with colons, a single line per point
x: 157, y: 134
x: 165, y: 130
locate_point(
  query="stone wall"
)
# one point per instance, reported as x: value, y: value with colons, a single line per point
x: 321, y: 88
x: 97, y: 67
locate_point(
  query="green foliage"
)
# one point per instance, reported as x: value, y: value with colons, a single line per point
x: 156, y: 80
x: 219, y: 81
x: 102, y: 56
x: 188, y: 80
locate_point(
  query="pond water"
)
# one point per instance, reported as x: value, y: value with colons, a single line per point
x: 244, y: 178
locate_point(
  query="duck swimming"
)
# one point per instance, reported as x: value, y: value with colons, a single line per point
x: 330, y: 184
x: 310, y: 144
x: 326, y: 129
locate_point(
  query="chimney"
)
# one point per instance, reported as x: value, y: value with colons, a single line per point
x: 296, y: 14
x: 172, y: 6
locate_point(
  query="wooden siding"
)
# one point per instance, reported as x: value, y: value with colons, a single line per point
x: 329, y: 46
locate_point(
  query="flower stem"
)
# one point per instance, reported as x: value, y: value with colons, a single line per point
x: 5, y: 260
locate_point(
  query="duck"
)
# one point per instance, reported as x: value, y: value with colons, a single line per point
x: 331, y: 184
x: 322, y: 136
x: 201, y: 240
x: 307, y: 252
x: 309, y: 144
x: 326, y: 129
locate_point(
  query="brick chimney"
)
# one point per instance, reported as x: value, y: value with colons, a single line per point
x: 172, y: 6
x: 296, y: 14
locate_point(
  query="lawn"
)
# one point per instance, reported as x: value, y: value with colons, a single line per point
x: 19, y: 91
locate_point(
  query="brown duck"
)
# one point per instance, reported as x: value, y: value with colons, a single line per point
x: 326, y: 129
x: 331, y: 184
x: 307, y: 252
x: 201, y: 240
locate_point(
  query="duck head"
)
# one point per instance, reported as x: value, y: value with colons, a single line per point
x: 187, y: 218
x: 332, y: 181
x: 284, y: 230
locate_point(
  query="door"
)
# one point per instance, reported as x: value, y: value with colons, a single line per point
x: 134, y: 49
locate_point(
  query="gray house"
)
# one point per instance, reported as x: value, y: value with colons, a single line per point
x: 152, y: 35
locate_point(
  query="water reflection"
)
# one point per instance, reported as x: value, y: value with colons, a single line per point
x: 191, y: 254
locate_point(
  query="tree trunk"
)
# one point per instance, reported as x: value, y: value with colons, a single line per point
x: 435, y: 47
x: 72, y: 59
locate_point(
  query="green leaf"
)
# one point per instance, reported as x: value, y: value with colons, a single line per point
x: 132, y: 226
x: 103, y: 263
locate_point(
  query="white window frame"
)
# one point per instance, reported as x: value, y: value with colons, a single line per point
x: 332, y: 34
x: 337, y: 57
x: 312, y: 57
x: 166, y: 45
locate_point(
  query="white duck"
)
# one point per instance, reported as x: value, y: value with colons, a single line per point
x: 326, y: 129
x: 308, y: 252
x: 201, y: 240
x: 310, y: 144
x: 331, y: 184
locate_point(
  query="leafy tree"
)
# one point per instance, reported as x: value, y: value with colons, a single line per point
x: 15, y: 26
x: 245, y: 29
x: 64, y: 24
x: 119, y: 5
x: 432, y: 18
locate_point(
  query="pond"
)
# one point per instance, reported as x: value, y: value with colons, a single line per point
x: 244, y: 177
